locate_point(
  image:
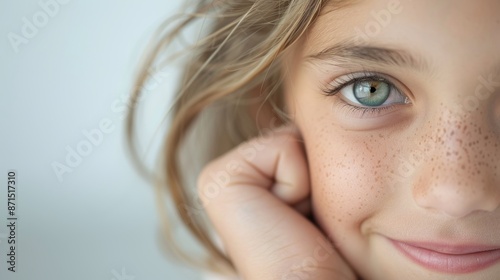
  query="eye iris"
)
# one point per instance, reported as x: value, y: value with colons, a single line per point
x: 371, y: 93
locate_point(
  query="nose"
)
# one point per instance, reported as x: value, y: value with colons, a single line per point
x: 460, y: 174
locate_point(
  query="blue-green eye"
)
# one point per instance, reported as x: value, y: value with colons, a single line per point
x: 371, y: 93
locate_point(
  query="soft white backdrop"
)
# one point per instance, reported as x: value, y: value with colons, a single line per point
x: 98, y: 221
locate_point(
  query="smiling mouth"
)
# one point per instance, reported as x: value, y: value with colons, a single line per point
x: 449, y: 258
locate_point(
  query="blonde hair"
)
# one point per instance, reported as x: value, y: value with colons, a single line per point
x: 237, y: 65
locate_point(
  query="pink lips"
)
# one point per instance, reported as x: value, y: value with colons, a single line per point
x: 449, y: 259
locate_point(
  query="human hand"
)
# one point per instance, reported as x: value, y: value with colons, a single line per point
x: 253, y: 195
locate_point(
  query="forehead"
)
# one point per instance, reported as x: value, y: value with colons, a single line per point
x: 453, y: 27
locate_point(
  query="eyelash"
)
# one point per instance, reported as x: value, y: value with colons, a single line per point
x: 337, y: 85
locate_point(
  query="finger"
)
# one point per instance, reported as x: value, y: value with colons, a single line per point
x: 292, y: 175
x: 266, y: 239
x: 275, y: 162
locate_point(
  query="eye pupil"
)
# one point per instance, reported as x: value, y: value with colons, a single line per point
x: 371, y: 93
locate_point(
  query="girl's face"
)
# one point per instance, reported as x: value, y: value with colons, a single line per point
x: 398, y: 102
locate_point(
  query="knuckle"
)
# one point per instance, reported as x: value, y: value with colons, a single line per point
x: 213, y: 178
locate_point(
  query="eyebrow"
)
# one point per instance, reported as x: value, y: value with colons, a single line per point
x: 346, y: 53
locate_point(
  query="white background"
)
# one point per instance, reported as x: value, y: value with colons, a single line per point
x: 100, y: 221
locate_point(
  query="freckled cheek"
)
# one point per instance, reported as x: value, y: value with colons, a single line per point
x: 348, y: 182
